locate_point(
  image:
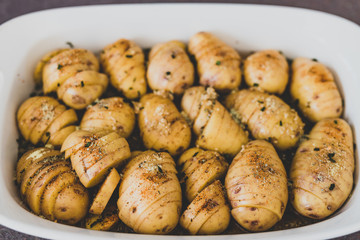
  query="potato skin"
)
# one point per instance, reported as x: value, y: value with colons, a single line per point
x: 109, y: 114
x: 45, y: 119
x: 212, y: 123
x: 73, y: 73
x: 256, y: 185
x: 208, y: 213
x: 267, y: 70
x: 322, y: 169
x: 267, y: 117
x: 150, y: 194
x: 93, y: 154
x: 218, y: 64
x: 170, y: 68
x: 50, y: 188
x: 123, y: 61
x: 313, y: 86
x: 162, y: 127
x: 200, y: 170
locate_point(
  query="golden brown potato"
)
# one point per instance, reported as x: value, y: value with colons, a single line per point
x: 256, y: 185
x: 170, y: 68
x: 109, y: 114
x: 162, y: 127
x: 208, y: 213
x: 104, y: 221
x: 73, y: 73
x: 123, y: 61
x: 267, y: 117
x: 218, y: 64
x: 200, y: 170
x: 212, y: 123
x: 93, y: 154
x: 105, y: 192
x: 314, y: 88
x: 150, y: 194
x: 45, y: 119
x: 40, y: 65
x: 49, y: 186
x: 267, y: 70
x: 322, y: 169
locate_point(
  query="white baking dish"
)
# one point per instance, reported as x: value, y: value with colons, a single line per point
x: 297, y: 32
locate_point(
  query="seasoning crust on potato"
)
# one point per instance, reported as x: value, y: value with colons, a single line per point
x: 161, y: 125
x: 212, y: 123
x: 150, y: 194
x: 322, y: 169
x: 267, y: 117
x: 256, y: 185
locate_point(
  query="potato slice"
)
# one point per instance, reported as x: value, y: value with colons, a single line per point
x: 104, y: 194
x: 52, y: 190
x: 104, y: 221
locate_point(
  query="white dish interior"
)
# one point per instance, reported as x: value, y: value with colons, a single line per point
x: 296, y: 32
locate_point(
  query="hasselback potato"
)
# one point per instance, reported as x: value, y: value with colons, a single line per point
x: 267, y: 117
x: 218, y: 64
x: 45, y: 119
x: 93, y: 154
x: 256, y: 185
x: 212, y: 123
x: 49, y: 186
x: 267, y: 70
x: 162, y: 127
x: 315, y: 90
x: 322, y: 169
x: 199, y: 169
x: 123, y: 61
x: 150, y: 194
x: 109, y: 114
x: 170, y: 68
x: 208, y: 213
x: 74, y: 74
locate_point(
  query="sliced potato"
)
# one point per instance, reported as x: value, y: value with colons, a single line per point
x: 208, y: 213
x: 322, y: 169
x: 104, y: 194
x: 103, y: 222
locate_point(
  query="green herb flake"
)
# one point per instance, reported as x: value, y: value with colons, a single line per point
x: 262, y: 109
x: 314, y: 60
x: 218, y: 63
x: 106, y: 107
x: 331, y: 155
x: 60, y: 66
x: 82, y: 84
x: 332, y: 186
x: 255, y: 84
x: 195, y: 154
x: 260, y: 101
x: 335, y: 121
x: 316, y: 149
x: 160, y: 169
x: 58, y: 84
x: 70, y: 44
x: 280, y: 123
x: 128, y: 56
x: 130, y: 88
x: 87, y: 144
x: 47, y: 134
x: 168, y: 73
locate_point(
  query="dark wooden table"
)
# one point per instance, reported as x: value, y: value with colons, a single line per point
x: 349, y: 9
